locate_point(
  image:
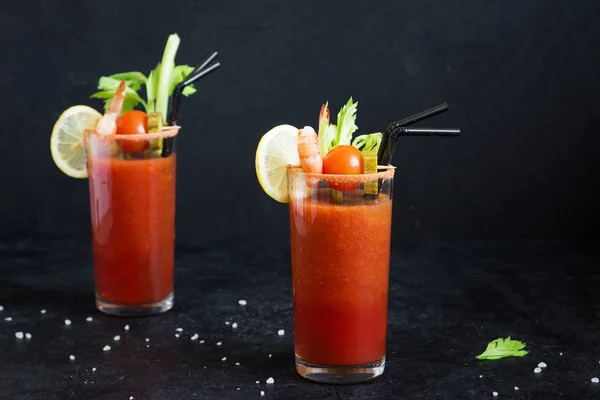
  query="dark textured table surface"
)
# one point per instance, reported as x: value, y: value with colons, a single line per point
x: 447, y: 301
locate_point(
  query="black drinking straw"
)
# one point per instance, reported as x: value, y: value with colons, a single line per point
x: 420, y: 116
x: 388, y: 152
x: 175, y: 101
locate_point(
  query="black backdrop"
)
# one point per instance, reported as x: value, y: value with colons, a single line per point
x: 521, y: 78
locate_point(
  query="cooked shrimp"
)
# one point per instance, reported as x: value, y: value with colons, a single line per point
x: 309, y: 151
x: 107, y: 125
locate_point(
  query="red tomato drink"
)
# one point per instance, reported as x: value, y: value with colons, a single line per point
x: 132, y: 199
x: 340, y: 249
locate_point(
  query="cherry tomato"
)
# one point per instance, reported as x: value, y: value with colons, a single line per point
x: 343, y: 160
x: 131, y: 123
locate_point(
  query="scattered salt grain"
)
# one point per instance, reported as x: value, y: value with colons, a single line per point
x: 219, y: 343
x: 71, y: 357
x: 89, y: 319
x: 147, y: 339
x: 43, y: 311
x: 537, y: 370
x: 177, y: 335
x: 237, y: 363
x: 93, y: 369
x: 262, y: 393
x: 542, y: 365
x: 194, y: 337
x: 516, y: 388
x: 595, y: 380
x: 130, y: 397
x: 1, y: 308
x: 227, y: 322
x: 28, y: 335
x: 179, y: 329
x: 257, y: 382
x: 117, y: 338
x: 147, y: 345
x: 126, y: 327
x: 202, y: 341
x: 106, y: 348
x: 234, y: 325
x: 270, y: 381
x: 237, y: 389
x: 495, y: 394
x: 8, y: 319
x: 242, y: 302
x: 481, y: 376
x: 281, y: 332
x: 224, y: 358
x: 270, y: 355
x: 67, y: 322
x: 560, y: 353
x: 19, y: 335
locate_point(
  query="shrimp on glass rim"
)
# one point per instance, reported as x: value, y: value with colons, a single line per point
x: 309, y: 150
x: 107, y: 125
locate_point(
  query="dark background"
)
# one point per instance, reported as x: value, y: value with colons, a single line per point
x: 520, y: 77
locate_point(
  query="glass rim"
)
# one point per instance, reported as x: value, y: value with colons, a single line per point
x: 167, y: 132
x: 387, y: 172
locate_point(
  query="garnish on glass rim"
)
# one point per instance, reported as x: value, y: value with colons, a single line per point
x: 501, y: 348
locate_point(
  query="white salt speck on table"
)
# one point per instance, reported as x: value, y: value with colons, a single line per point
x: 106, y: 348
x: 495, y: 394
x: 130, y: 397
x: 71, y: 357
x: 242, y: 302
x: 237, y: 389
x: 595, y: 380
x: 270, y: 381
x: 67, y: 322
x: 1, y: 308
x: 537, y: 370
x: 281, y: 332
x: 177, y: 335
x: 257, y: 382
x: 234, y: 325
x: 19, y: 335
x: 8, y: 319
x: 224, y: 358
x: 179, y: 329
x: 194, y: 337
x: 43, y: 311
x: 28, y: 335
x: 126, y: 327
x: 542, y: 365
x: 237, y: 363
x: 481, y: 376
x: 219, y: 343
x: 262, y: 393
x: 270, y: 355
x: 560, y: 353
x: 93, y: 369
x: 89, y: 319
x: 117, y: 338
x: 516, y: 388
x: 227, y: 322
x: 202, y: 341
x: 147, y: 339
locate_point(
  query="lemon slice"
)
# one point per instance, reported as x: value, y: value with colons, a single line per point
x: 277, y: 149
x: 66, y: 142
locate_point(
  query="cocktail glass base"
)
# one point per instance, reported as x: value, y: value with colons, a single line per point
x: 134, y: 310
x: 340, y: 374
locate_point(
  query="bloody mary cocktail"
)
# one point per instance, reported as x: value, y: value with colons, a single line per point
x: 340, y: 247
x: 132, y: 199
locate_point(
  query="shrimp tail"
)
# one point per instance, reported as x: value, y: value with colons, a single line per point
x: 309, y: 150
x: 116, y: 104
x: 107, y: 125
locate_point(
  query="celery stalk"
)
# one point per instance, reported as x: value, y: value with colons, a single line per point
x: 164, y: 79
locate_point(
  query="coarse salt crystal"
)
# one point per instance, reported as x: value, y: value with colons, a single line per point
x: 106, y: 348
x: 130, y: 397
x: 126, y: 327
x: 481, y: 376
x: 179, y: 329
x: 89, y: 319
x: 495, y: 394
x: 1, y: 308
x: 117, y: 338
x: 177, y: 335
x: 270, y: 381
x: 219, y: 343
x: 234, y: 325
x: 147, y: 339
x: 224, y: 358
x: 19, y: 335
x: 237, y: 363
x: 270, y: 355
x: 93, y: 369
x: 242, y: 302
x: 67, y: 322
x: 262, y: 393
x: 542, y: 365
x: 595, y: 380
x: 43, y: 311
x: 537, y: 370
x: 281, y: 332
x: 28, y: 335
x: 257, y: 382
x: 516, y: 388
x: 71, y: 357
x: 227, y: 322
x: 237, y: 389
x: 560, y: 353
x: 8, y: 319
x: 202, y: 341
x: 194, y: 337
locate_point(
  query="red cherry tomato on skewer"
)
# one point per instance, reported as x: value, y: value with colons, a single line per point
x: 343, y: 160
x: 131, y: 123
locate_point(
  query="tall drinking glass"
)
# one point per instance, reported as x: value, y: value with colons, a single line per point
x: 132, y: 199
x: 340, y: 247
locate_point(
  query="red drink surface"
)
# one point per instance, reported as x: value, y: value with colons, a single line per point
x: 133, y: 228
x: 340, y: 273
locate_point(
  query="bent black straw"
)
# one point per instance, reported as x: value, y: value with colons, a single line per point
x: 388, y: 152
